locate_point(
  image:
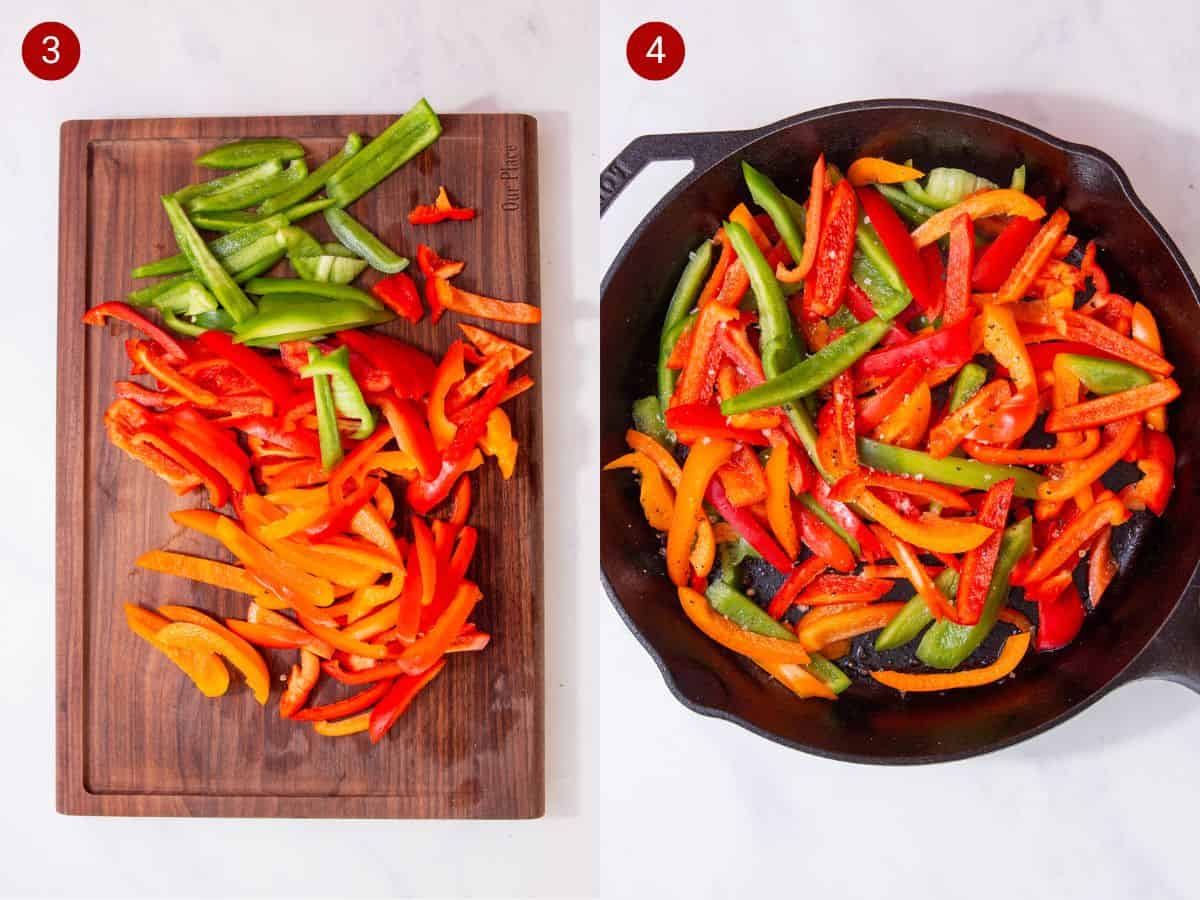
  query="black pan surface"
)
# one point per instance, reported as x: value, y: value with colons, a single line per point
x: 1148, y: 624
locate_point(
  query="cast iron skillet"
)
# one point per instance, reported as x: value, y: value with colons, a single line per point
x: 1148, y: 624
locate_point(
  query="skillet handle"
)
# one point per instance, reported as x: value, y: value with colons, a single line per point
x: 1174, y: 654
x: 702, y: 148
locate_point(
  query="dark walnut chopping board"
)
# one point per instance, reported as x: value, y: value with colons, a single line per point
x: 135, y: 737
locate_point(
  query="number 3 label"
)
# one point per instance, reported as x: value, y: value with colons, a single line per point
x: 655, y: 51
x: 50, y: 51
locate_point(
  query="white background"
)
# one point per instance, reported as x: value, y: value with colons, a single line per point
x: 644, y: 798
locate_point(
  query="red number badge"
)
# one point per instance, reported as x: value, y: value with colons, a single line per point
x: 655, y: 51
x: 50, y: 51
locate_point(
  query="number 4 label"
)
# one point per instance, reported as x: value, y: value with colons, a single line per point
x: 655, y: 51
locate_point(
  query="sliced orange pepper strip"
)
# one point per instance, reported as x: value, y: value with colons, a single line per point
x: 760, y: 648
x: 426, y: 650
x: 1144, y: 330
x: 450, y: 371
x: 667, y: 464
x: 241, y: 655
x: 196, y: 568
x: 498, y: 441
x: 1076, y: 475
x: 1002, y: 201
x: 798, y: 680
x: 929, y: 532
x: 949, y: 433
x: 204, y: 668
x: 658, y: 502
x: 914, y: 570
x: 812, y: 228
x: 817, y: 633
x: 296, y: 520
x: 1035, y: 256
x: 426, y: 558
x: 905, y: 425
x: 849, y: 487
x: 705, y: 458
x: 489, y: 343
x: 467, y: 303
x: 1010, y: 657
x: 341, y: 727
x: 1002, y: 339
x: 873, y: 170
x: 1110, y: 408
x: 779, y: 500
x: 1034, y: 457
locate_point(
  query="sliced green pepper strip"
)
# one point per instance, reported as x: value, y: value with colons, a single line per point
x: 871, y: 247
x: 258, y: 184
x: 231, y: 220
x: 915, y: 212
x: 945, y: 186
x: 967, y: 473
x: 190, y: 192
x: 947, y: 644
x: 264, y: 264
x: 732, y: 554
x: 819, y: 511
x: 249, y: 152
x: 180, y: 326
x: 887, y: 301
x: 356, y: 237
x: 1018, y: 179
x: 347, y: 396
x: 748, y: 615
x: 812, y: 373
x: 327, y: 426
x: 147, y: 295
x: 207, y: 266
x: 774, y: 203
x: 912, y: 619
x: 392, y: 148
x: 268, y: 286
x: 333, y: 248
x: 1105, y: 376
x: 316, y: 180
x: 223, y: 247
x: 292, y: 314
x: 188, y: 297
x: 648, y: 419
x: 970, y: 379
x: 304, y: 210
x: 778, y: 349
x: 217, y: 320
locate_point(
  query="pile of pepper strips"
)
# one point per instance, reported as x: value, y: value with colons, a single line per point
x: 292, y: 442
x: 837, y: 309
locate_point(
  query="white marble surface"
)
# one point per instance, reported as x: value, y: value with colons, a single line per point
x: 1100, y: 807
x: 644, y: 798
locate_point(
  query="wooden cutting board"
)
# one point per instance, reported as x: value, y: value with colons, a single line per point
x: 134, y: 735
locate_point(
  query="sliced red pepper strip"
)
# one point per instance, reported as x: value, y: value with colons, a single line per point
x: 440, y: 210
x: 426, y: 558
x: 1042, y: 354
x: 896, y: 240
x: 1102, y: 568
x: 215, y: 445
x: 696, y: 420
x: 859, y: 304
x: 1096, y: 334
x: 409, y: 371
x: 946, y: 347
x: 823, y: 291
x: 426, y: 650
x: 958, y: 270
x: 431, y: 264
x: 1112, y: 407
x: 251, y: 364
x: 1157, y: 463
x: 997, y: 261
x: 827, y: 590
x: 744, y: 523
x: 844, y: 416
x: 1059, y: 618
x: 275, y: 432
x: 460, y: 507
x: 399, y: 294
x: 412, y: 435
x: 300, y: 683
x: 115, y: 309
x: 171, y: 445
x: 472, y: 420
x: 397, y: 700
x: 935, y: 274
x: 362, y: 700
x: 798, y: 579
x: 424, y: 494
x: 699, y: 373
x: 337, y: 518
x: 877, y: 407
x: 978, y: 565
x: 1081, y: 530
x: 1011, y: 421
x: 854, y: 526
x: 823, y: 541
x: 143, y: 354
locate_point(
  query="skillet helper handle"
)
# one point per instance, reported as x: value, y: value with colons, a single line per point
x: 1174, y: 654
x: 702, y: 148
